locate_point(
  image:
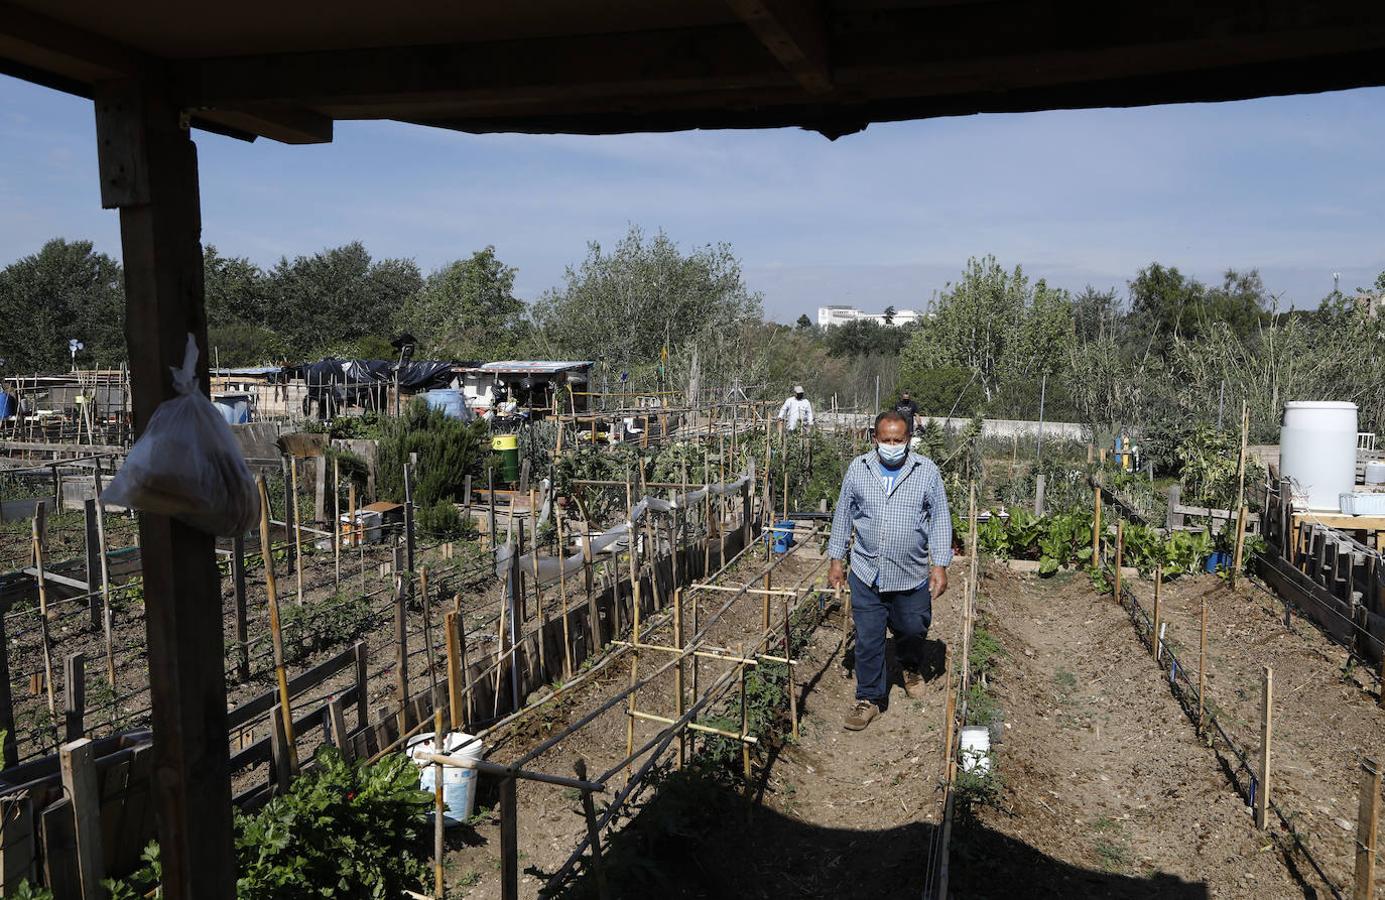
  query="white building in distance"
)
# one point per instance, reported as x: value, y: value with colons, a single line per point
x: 840, y: 315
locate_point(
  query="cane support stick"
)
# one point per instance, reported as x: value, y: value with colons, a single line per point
x: 276, y: 636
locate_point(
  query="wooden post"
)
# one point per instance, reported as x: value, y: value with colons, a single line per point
x: 430, y: 652
x: 1096, y: 526
x: 336, y: 522
x: 92, y: 513
x: 439, y: 808
x: 362, y: 683
x: 1120, y: 554
x: 1367, y: 822
x: 106, y: 623
x: 509, y: 841
x: 74, y: 697
x: 320, y: 489
x: 562, y: 590
x: 454, y: 670
x: 39, y: 525
x: 469, y: 710
x: 1262, y: 796
x: 80, y: 784
x: 1240, y: 547
x: 9, y: 745
x: 1202, y: 670
x: 541, y: 611
x: 593, y: 833
x: 336, y: 721
x: 1154, y: 646
x: 789, y: 684
x: 275, y: 635
x: 297, y: 529
x: 282, y: 755
x: 409, y: 527
x: 242, y: 619
x: 593, y: 610
x: 678, y: 674
x: 401, y: 634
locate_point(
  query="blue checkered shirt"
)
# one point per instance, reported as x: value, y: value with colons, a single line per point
x: 899, y: 534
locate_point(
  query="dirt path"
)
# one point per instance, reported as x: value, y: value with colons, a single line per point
x: 835, y: 813
x: 1106, y: 790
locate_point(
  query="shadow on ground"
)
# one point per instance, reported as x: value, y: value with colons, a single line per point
x: 698, y: 838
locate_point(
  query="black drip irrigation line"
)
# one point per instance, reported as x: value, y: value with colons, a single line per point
x: 1188, y: 690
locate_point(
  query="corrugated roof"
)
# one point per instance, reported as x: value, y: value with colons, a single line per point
x: 536, y: 366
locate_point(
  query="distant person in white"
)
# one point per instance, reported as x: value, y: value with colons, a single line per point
x: 796, y: 409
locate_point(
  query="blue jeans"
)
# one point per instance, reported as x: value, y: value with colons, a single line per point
x: 908, y: 614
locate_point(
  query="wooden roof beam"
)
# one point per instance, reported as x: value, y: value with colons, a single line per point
x: 795, y: 32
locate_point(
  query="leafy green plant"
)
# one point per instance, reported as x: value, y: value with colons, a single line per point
x: 345, y: 829
x: 27, y: 891
x: 145, y: 882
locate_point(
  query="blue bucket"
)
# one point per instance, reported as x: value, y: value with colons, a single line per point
x: 1219, y: 560
x: 782, y: 533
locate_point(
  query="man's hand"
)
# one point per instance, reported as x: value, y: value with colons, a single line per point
x: 836, y: 575
x: 937, y: 581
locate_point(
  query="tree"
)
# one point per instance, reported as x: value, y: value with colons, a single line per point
x: 804, y: 321
x: 624, y: 307
x: 235, y: 288
x: 863, y: 337
x: 66, y: 290
x: 1095, y: 313
x: 326, y: 302
x: 466, y: 310
x: 889, y: 315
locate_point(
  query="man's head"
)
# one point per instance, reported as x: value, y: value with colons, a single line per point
x: 891, y: 437
x: 904, y: 395
x: 798, y: 391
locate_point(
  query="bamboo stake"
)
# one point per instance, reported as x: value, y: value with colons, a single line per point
x: 1120, y: 553
x: 276, y: 636
x: 538, y: 588
x: 562, y: 592
x: 297, y: 531
x: 454, y: 670
x: 1240, y: 544
x: 1367, y: 822
x: 1096, y: 526
x: 39, y: 524
x: 745, y: 722
x: 1202, y: 670
x: 470, y: 710
x: 635, y: 654
x: 439, y: 878
x: 1262, y: 796
x: 1154, y: 643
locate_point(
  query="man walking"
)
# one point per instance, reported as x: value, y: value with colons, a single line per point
x: 908, y: 409
x: 796, y: 410
x: 895, y: 502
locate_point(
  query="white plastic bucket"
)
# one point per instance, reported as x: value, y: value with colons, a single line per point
x: 976, y: 748
x: 458, y: 784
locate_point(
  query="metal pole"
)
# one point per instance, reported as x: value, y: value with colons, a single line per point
x: 1039, y: 446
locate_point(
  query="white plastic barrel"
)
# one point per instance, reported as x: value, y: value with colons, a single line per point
x: 1375, y: 472
x: 458, y: 784
x: 1317, y: 451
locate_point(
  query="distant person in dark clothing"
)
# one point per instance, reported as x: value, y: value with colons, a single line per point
x: 908, y: 409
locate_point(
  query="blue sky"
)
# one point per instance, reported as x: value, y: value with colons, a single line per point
x: 1293, y: 186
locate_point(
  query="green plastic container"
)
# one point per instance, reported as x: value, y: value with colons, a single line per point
x: 507, y: 445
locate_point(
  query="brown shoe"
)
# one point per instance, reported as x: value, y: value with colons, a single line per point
x: 861, y: 715
x: 913, y: 685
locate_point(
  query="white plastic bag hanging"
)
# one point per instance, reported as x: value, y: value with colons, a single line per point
x: 187, y: 464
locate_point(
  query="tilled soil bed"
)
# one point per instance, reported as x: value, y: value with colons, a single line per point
x: 1104, y: 789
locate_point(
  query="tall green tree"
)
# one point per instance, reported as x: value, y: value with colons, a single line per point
x: 66, y: 290
x: 625, y: 306
x: 467, y: 310
x: 334, y: 299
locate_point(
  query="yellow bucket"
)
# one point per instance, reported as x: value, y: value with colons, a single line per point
x: 505, y: 442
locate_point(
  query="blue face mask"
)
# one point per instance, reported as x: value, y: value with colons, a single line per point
x: 892, y: 454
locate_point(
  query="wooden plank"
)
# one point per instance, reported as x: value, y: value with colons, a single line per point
x: 74, y: 696
x: 60, y: 850
x: 304, y: 681
x: 795, y: 33
x: 9, y: 747
x: 79, y: 782
x: 336, y: 718
x: 262, y: 750
x: 1325, y: 610
x: 137, y: 823
x: 281, y: 757
x: 1367, y: 825
x: 18, y: 849
x: 114, y: 782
